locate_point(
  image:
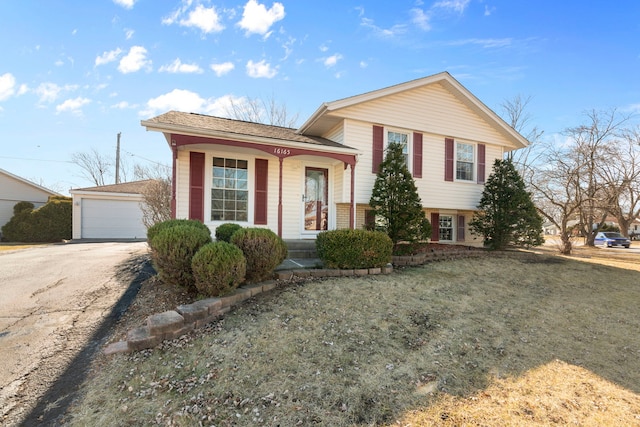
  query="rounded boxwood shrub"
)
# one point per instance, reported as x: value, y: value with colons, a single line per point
x: 225, y: 231
x: 263, y: 249
x: 348, y: 249
x: 173, y: 250
x: 155, y: 229
x: 218, y: 268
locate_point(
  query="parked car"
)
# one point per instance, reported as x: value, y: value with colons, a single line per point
x: 610, y: 239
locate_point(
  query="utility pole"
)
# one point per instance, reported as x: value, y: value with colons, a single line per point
x: 118, y: 160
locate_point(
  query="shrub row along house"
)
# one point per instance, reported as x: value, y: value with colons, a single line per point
x: 299, y: 182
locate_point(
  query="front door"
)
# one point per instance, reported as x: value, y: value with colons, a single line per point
x: 316, y: 199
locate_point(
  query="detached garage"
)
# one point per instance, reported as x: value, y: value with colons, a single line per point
x: 109, y: 212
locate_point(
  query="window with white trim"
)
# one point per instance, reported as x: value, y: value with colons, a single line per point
x: 229, y: 190
x: 465, y: 161
x: 445, y: 229
x: 402, y: 139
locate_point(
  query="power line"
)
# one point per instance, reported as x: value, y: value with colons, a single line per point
x: 36, y: 160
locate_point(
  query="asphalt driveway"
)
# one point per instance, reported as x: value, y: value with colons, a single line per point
x: 53, y: 300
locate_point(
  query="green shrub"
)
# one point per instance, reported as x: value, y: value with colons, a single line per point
x: 49, y: 223
x: 218, y: 268
x: 173, y: 250
x: 354, y: 248
x: 155, y: 229
x: 263, y: 250
x: 225, y: 231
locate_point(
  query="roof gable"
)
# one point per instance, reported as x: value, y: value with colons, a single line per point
x: 331, y: 114
x: 28, y: 183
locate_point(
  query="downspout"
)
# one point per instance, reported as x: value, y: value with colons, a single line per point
x: 352, y: 208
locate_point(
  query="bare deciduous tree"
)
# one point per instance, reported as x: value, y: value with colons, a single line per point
x: 593, y: 148
x: 156, y: 203
x: 623, y: 171
x: 571, y: 182
x: 95, y: 166
x: 515, y: 113
x: 266, y: 111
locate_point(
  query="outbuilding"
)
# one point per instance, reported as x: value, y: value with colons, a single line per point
x: 109, y: 212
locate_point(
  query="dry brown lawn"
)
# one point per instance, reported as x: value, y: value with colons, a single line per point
x: 521, y: 340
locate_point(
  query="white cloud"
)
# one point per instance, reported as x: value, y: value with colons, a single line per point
x: 178, y: 67
x: 332, y: 60
x: 127, y: 4
x: 134, y: 61
x: 128, y: 33
x: 421, y: 19
x: 23, y: 89
x: 364, y: 64
x: 223, y: 68
x: 187, y: 101
x: 124, y: 105
x: 383, y: 32
x: 7, y: 86
x: 73, y: 106
x: 454, y: 5
x: 205, y: 19
x: 256, y: 18
x: 323, y: 48
x: 261, y: 69
x: 108, y: 56
x: 177, y: 99
x: 49, y: 92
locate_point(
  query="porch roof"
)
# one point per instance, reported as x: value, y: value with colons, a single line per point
x: 219, y: 127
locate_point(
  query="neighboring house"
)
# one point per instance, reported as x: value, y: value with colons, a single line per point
x: 109, y: 212
x: 299, y: 182
x: 14, y: 189
x: 634, y: 230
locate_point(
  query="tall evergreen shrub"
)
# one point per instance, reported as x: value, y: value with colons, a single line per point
x: 506, y: 213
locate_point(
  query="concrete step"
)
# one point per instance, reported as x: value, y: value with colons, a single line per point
x: 303, y: 249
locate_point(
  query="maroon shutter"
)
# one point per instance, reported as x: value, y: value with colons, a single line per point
x: 417, y: 155
x: 378, y: 149
x: 435, y: 227
x: 262, y: 170
x: 481, y: 163
x: 196, y: 186
x: 448, y: 159
x: 460, y: 228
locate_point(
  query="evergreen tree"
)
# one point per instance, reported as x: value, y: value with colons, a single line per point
x: 507, y: 214
x: 395, y: 200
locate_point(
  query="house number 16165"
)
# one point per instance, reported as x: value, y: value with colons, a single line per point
x: 282, y: 151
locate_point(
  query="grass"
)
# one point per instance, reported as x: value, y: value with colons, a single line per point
x: 522, y: 340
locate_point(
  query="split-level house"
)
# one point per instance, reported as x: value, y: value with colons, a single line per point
x: 299, y: 182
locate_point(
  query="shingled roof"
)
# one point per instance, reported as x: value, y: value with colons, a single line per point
x: 133, y: 187
x: 210, y: 125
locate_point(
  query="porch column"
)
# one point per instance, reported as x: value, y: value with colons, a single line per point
x: 280, y: 199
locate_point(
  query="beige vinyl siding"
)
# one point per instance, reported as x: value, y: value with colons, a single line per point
x: 433, y: 190
x: 426, y: 109
x: 336, y: 134
x: 13, y: 191
x: 292, y: 188
x: 341, y: 182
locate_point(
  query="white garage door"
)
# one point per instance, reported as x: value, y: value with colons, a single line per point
x: 112, y: 219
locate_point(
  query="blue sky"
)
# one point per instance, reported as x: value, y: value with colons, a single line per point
x: 75, y: 73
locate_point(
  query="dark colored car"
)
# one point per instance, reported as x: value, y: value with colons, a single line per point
x: 610, y: 239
